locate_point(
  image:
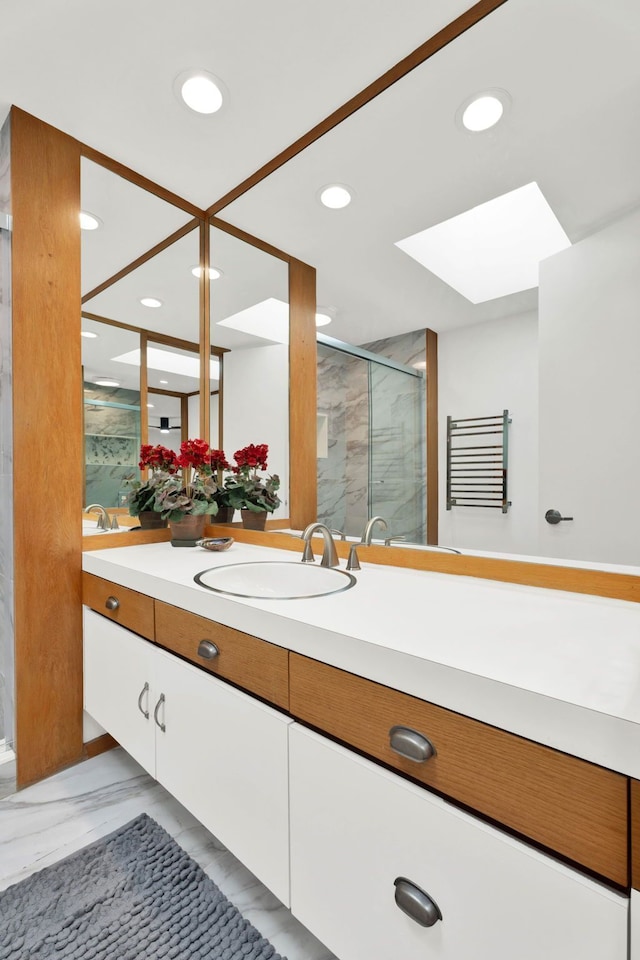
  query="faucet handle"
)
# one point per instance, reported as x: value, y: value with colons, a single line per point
x: 114, y: 523
x: 390, y: 540
x: 353, y: 563
x: 339, y: 533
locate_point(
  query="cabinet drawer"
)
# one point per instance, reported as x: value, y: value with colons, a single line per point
x: 359, y: 831
x: 253, y: 664
x: 571, y: 806
x: 133, y: 610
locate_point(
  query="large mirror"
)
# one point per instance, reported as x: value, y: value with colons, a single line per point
x: 140, y: 329
x: 549, y: 334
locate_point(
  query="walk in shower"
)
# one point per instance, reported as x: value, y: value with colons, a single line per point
x: 371, y: 441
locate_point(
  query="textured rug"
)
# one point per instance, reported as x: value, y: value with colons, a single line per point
x: 133, y: 895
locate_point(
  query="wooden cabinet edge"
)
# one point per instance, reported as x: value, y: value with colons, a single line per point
x: 599, y: 851
x: 634, y: 813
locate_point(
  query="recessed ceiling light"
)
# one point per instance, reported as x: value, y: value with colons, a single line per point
x: 89, y: 221
x: 200, y: 91
x: 214, y: 272
x: 89, y: 335
x: 106, y: 382
x: 419, y: 365
x: 335, y: 196
x: 493, y: 249
x: 322, y: 319
x: 151, y: 302
x: 163, y: 381
x: 483, y: 110
x: 150, y: 406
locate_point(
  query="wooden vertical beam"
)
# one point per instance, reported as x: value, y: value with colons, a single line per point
x: 205, y: 332
x: 303, y: 482
x: 144, y: 391
x: 47, y: 446
x: 432, y: 435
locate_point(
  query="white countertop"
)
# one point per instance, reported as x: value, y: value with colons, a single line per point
x: 560, y: 668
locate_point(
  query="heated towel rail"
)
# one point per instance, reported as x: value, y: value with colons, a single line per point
x: 477, y: 471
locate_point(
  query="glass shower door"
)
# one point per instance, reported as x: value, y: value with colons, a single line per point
x: 397, y: 454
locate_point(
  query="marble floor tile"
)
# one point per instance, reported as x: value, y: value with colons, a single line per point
x: 53, y: 818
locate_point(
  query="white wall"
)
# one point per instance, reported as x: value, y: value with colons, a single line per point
x: 590, y: 396
x: 482, y: 370
x: 256, y: 408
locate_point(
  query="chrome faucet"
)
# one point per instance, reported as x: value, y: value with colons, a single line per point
x: 104, y: 522
x: 329, y: 555
x: 368, y: 530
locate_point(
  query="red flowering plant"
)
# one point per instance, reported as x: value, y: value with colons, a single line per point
x: 194, y: 491
x: 245, y: 488
x: 162, y: 462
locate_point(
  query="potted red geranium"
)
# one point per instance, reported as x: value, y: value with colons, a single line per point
x: 247, y: 491
x: 162, y: 463
x: 187, y: 498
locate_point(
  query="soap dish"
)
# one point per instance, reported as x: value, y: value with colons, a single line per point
x: 215, y: 543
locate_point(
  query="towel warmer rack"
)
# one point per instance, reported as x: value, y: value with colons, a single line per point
x: 477, y: 472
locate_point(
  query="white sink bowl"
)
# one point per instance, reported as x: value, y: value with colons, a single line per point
x: 275, y: 580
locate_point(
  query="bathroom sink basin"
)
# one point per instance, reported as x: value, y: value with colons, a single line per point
x: 275, y: 580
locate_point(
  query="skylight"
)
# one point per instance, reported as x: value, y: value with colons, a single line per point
x: 493, y: 249
x: 182, y: 364
x: 268, y: 319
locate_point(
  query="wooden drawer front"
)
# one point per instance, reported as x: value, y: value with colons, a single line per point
x: 253, y: 664
x: 574, y: 807
x: 134, y: 610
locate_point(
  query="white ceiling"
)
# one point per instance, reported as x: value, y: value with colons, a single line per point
x: 105, y: 73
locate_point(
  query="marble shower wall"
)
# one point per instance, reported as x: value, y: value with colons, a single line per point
x: 6, y: 449
x: 375, y: 454
x: 112, y: 442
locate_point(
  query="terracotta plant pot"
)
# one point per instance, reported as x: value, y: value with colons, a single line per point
x: 224, y: 515
x: 252, y: 520
x: 185, y: 532
x: 151, y: 520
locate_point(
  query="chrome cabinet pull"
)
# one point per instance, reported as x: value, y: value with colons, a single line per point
x: 416, y: 903
x: 207, y: 650
x: 155, y: 713
x: 112, y: 603
x: 411, y: 744
x: 145, y: 713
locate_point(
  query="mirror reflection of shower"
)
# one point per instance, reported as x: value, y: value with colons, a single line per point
x: 372, y: 435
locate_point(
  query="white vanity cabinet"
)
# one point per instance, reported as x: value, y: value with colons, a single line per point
x: 356, y: 828
x: 220, y: 752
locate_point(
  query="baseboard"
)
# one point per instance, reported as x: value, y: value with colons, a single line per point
x: 99, y: 745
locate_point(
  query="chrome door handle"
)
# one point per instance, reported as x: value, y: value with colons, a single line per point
x: 155, y: 713
x: 411, y: 744
x: 145, y: 713
x: 112, y: 603
x: 207, y: 650
x: 416, y: 903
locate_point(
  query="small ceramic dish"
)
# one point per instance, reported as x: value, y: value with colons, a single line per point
x: 216, y: 543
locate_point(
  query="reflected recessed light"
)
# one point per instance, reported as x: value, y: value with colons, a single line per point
x: 150, y: 406
x: 322, y: 319
x: 483, y: 110
x: 106, y: 382
x: 89, y: 335
x: 214, y: 272
x: 151, y: 302
x: 89, y: 221
x: 335, y: 196
x: 200, y: 91
x: 419, y: 365
x: 164, y: 381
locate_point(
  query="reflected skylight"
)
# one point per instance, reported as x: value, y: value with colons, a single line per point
x: 493, y: 249
x: 182, y: 364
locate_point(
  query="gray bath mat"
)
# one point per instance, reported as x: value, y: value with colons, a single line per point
x: 133, y: 895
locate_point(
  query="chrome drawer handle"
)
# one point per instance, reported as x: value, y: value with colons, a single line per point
x: 155, y: 713
x: 207, y: 650
x: 145, y: 713
x: 112, y: 603
x: 416, y: 903
x: 411, y: 744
